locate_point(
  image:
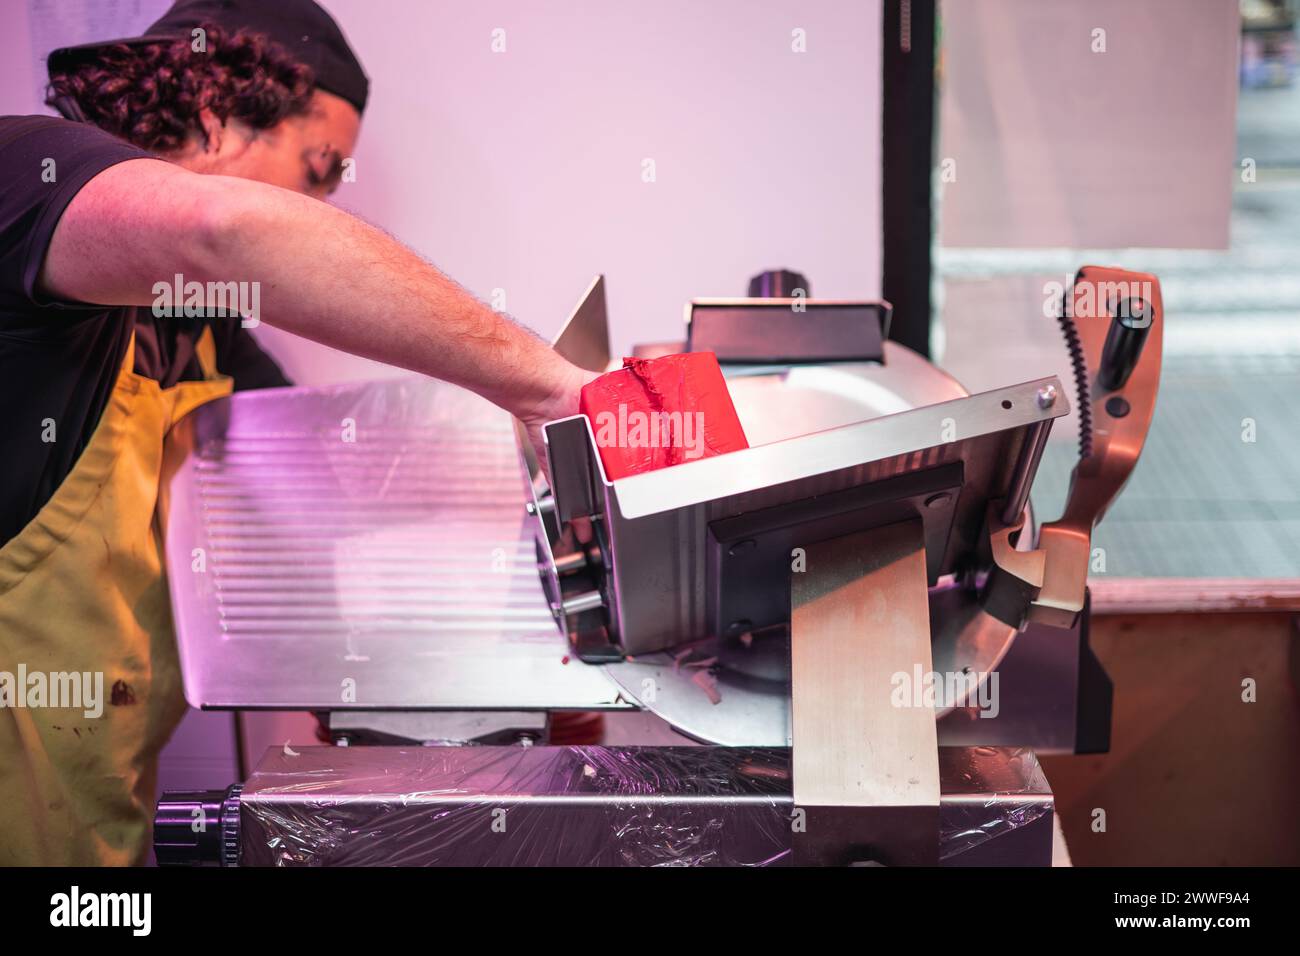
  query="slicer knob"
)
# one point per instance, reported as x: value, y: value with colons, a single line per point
x: 778, y: 284
x: 1128, y: 332
x: 197, y: 828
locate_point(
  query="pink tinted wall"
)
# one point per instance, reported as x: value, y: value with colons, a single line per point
x: 522, y: 170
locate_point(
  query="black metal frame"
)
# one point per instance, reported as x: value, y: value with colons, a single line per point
x: 907, y: 144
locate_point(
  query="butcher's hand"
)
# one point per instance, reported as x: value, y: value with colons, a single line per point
x: 561, y: 403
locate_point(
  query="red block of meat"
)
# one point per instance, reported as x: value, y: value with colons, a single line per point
x: 653, y: 413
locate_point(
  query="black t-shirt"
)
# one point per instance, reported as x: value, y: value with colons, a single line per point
x: 58, y: 359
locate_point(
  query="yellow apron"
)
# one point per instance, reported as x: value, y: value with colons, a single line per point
x: 82, y: 589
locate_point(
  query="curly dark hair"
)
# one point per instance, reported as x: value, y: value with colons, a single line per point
x: 151, y: 94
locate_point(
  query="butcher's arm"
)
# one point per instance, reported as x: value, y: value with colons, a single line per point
x: 323, y: 274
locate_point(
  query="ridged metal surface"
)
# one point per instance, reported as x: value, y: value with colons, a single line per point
x: 367, y: 532
x: 306, y: 531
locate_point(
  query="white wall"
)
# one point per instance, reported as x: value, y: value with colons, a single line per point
x: 17, y: 61
x: 522, y: 170
x: 29, y: 29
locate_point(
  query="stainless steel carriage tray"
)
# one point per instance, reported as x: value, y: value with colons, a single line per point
x: 359, y: 546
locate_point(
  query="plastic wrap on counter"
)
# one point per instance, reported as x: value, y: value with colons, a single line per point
x: 586, y: 806
x: 989, y: 792
x: 517, y: 806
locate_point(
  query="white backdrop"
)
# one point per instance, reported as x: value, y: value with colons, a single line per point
x: 523, y: 170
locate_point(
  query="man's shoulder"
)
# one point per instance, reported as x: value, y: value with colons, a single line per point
x: 19, y: 120
x: 12, y: 127
x: 59, y: 131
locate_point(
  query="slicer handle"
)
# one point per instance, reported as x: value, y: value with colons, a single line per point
x: 1124, y: 341
x: 1126, y: 355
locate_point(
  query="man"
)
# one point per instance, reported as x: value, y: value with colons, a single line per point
x: 201, y: 149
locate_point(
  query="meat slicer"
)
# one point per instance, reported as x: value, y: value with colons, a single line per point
x: 853, y: 635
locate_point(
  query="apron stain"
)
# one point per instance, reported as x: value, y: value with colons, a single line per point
x: 123, y: 693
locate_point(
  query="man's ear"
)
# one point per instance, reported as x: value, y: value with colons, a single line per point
x: 213, y: 129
